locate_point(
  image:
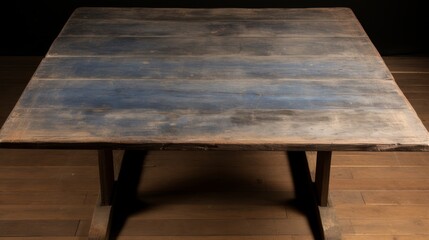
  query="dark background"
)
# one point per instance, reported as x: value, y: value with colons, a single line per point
x: 394, y: 26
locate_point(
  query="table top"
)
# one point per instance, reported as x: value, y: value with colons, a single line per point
x: 214, y: 79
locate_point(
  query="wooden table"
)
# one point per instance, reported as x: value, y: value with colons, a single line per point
x: 213, y: 79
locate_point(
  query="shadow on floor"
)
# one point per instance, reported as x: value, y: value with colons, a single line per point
x: 305, y: 198
x: 128, y: 201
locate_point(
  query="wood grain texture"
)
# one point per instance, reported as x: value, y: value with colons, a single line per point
x: 213, y: 68
x: 210, y: 46
x: 260, y: 28
x: 228, y: 14
x: 221, y: 79
x: 22, y: 209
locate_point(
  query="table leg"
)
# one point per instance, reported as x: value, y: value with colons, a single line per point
x: 100, y: 224
x: 328, y: 220
x: 318, y: 187
x: 323, y: 169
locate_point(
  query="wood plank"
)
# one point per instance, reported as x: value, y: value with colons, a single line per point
x: 383, y: 212
x: 400, y: 172
x: 41, y: 198
x: 209, y: 159
x: 359, y: 159
x: 348, y: 197
x: 254, y: 198
x: 261, y: 28
x: 224, y: 237
x: 396, y: 197
x: 212, y: 68
x: 53, y: 173
x: 45, y: 212
x: 47, y: 185
x: 326, y: 14
x: 412, y: 79
x: 212, y: 211
x: 404, y: 159
x: 381, y: 184
x: 255, y: 172
x: 180, y: 227
x: 342, y: 173
x: 213, y: 46
x: 253, y: 27
x: 218, y: 183
x: 208, y: 97
x: 21, y: 228
x: 192, y: 129
x: 386, y: 237
x: 47, y: 157
x: 393, y: 226
x: 414, y: 159
x: 130, y: 124
x: 201, y: 95
x: 44, y: 238
x: 408, y: 64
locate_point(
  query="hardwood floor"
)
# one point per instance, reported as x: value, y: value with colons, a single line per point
x: 50, y: 194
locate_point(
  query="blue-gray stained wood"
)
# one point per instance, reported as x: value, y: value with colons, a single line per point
x: 214, y: 79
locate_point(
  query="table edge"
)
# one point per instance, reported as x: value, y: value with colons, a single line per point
x: 367, y: 147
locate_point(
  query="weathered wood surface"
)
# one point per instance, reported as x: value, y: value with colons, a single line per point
x: 210, y: 46
x: 266, y: 28
x: 309, y: 14
x: 268, y: 79
x: 212, y: 68
x: 366, y: 206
